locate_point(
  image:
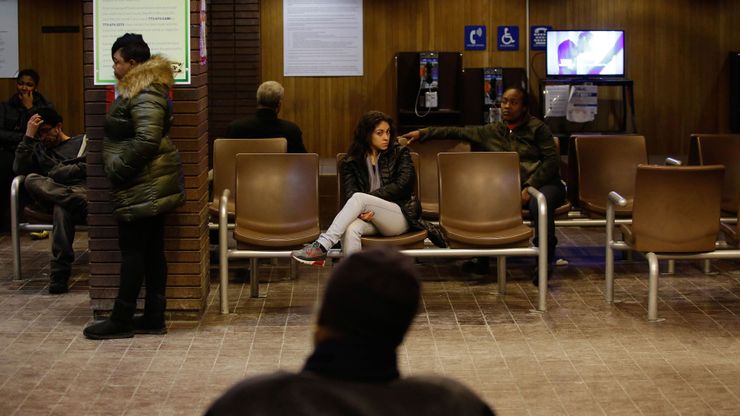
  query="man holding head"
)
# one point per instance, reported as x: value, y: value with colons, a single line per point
x: 369, y: 303
x: 264, y: 123
x: 539, y: 161
x: 56, y: 172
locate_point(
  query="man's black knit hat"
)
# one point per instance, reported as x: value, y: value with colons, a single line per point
x: 372, y: 297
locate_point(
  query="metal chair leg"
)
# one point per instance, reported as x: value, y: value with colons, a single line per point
x: 254, y: 283
x: 501, y: 274
x: 653, y: 288
x: 15, y: 227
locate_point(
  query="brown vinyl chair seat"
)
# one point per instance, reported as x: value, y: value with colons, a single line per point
x: 407, y: 240
x: 598, y: 209
x: 675, y: 214
x: 428, y: 174
x: 480, y: 202
x: 607, y: 163
x: 517, y: 235
x: 249, y: 239
x: 224, y: 160
x: 560, y: 212
x: 411, y: 239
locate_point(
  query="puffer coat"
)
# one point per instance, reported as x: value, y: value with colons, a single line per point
x: 139, y: 158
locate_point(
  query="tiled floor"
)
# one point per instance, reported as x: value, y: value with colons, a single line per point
x: 582, y: 357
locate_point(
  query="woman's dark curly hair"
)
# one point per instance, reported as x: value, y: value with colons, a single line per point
x: 360, y: 145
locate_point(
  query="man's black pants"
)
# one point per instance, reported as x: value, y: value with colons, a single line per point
x: 69, y: 205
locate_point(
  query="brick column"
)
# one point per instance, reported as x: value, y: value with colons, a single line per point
x: 186, y: 235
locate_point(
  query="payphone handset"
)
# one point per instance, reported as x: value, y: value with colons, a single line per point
x: 493, y: 89
x: 429, y: 70
x: 428, y: 82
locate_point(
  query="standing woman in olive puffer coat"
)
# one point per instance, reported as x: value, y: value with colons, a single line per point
x: 146, y: 182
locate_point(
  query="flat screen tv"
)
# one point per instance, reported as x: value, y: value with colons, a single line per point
x: 585, y: 53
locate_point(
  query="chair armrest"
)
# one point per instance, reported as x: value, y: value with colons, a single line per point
x: 616, y: 199
x: 210, y: 175
x: 669, y: 161
x: 15, y: 189
x: 612, y: 199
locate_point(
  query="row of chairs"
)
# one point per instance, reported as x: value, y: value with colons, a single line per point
x: 616, y: 172
x: 614, y: 158
x: 276, y: 211
x: 597, y: 165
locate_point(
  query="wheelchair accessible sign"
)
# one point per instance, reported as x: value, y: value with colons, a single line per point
x: 508, y: 38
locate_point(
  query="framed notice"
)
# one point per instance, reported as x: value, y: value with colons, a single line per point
x: 8, y: 38
x: 164, y: 24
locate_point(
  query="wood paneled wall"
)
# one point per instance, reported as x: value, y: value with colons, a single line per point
x: 56, y: 56
x: 676, y: 52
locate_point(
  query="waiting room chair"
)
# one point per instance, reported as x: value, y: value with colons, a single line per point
x: 28, y: 219
x: 411, y: 239
x: 276, y: 211
x: 480, y: 211
x: 675, y: 215
x: 428, y: 176
x: 224, y: 159
x: 607, y: 163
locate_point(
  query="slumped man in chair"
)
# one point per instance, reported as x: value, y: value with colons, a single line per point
x: 56, y: 172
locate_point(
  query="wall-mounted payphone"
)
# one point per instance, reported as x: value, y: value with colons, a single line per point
x: 484, y: 88
x: 429, y: 89
x: 427, y: 97
x: 493, y: 89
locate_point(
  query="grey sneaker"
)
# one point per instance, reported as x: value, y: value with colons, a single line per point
x: 312, y: 254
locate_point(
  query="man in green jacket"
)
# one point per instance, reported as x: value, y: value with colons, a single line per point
x: 538, y: 159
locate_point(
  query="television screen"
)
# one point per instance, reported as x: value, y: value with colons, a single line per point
x: 587, y: 53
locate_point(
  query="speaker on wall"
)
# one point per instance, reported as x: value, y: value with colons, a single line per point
x: 735, y: 92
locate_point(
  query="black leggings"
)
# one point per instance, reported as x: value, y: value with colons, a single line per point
x: 142, y: 259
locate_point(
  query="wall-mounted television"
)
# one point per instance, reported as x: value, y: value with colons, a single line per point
x: 585, y: 53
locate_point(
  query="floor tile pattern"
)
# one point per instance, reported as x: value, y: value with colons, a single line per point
x: 581, y: 357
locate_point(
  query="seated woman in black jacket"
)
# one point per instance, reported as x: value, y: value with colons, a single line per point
x: 379, y: 178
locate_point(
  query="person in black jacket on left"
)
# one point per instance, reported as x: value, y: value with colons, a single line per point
x: 56, y: 173
x: 14, y: 115
x: 378, y: 177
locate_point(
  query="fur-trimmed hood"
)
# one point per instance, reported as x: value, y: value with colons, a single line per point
x: 157, y: 70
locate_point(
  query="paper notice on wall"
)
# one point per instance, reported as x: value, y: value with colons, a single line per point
x: 322, y: 38
x: 556, y: 100
x: 582, y: 103
x: 8, y: 38
x: 164, y: 24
